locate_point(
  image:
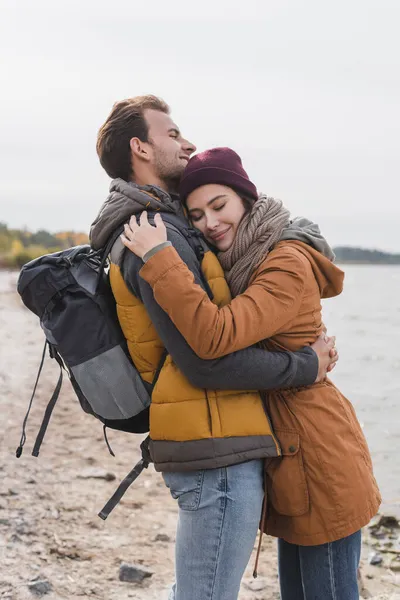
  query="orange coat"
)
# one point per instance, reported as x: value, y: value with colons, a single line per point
x: 323, y: 487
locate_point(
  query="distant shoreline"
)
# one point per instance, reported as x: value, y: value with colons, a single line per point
x: 359, y: 256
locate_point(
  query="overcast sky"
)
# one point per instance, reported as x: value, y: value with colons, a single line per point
x: 308, y: 92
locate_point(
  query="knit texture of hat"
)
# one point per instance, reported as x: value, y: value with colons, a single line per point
x: 218, y: 165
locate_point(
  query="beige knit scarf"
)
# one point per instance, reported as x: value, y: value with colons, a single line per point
x: 259, y: 230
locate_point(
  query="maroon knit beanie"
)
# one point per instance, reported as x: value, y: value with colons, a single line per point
x: 218, y: 165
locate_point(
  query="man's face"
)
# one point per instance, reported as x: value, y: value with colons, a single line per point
x: 170, y: 152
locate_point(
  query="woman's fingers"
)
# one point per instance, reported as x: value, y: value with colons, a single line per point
x: 143, y: 237
x: 133, y: 223
x: 158, y: 220
x: 126, y: 242
x: 133, y: 226
x: 159, y: 223
x: 129, y: 234
x: 143, y: 219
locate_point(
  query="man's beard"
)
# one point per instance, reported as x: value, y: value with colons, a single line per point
x: 170, y: 173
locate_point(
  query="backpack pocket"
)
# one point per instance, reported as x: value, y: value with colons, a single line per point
x: 111, y: 385
x: 286, y: 479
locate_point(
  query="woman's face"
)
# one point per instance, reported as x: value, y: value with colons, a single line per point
x: 216, y: 210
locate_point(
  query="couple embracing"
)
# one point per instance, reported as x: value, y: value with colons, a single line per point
x: 246, y: 428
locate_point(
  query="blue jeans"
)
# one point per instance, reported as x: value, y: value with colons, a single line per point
x: 219, y: 515
x: 325, y: 572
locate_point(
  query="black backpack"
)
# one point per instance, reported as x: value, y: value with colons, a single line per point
x: 70, y: 293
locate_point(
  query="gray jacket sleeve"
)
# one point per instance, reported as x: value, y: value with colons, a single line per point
x: 251, y: 368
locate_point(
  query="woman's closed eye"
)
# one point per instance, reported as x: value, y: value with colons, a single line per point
x: 197, y: 217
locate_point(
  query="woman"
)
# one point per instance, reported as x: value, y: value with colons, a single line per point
x: 322, y: 491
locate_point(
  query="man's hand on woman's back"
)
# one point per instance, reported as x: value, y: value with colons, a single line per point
x: 327, y: 354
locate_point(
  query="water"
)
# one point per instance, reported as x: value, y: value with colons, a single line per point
x: 366, y: 321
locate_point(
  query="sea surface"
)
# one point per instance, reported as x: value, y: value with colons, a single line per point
x: 366, y: 321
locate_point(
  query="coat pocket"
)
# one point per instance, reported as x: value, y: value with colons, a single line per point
x: 286, y: 479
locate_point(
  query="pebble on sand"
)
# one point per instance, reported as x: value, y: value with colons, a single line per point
x: 40, y: 586
x: 375, y: 558
x: 133, y: 573
x: 96, y: 474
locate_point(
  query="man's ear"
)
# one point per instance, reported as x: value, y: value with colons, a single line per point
x: 139, y: 149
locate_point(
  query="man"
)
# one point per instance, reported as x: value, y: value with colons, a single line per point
x: 209, y: 432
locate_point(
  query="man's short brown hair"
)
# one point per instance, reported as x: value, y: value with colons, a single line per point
x: 125, y: 122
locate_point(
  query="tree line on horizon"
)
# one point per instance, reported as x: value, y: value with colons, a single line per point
x: 19, y: 246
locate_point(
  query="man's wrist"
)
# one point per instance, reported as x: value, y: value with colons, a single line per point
x: 307, y: 367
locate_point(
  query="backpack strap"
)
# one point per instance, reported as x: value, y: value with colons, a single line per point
x: 20, y: 448
x: 193, y: 236
x: 126, y: 483
x: 158, y: 371
x: 106, y: 440
x: 50, y: 407
x: 138, y: 468
x: 105, y: 251
x: 51, y: 404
